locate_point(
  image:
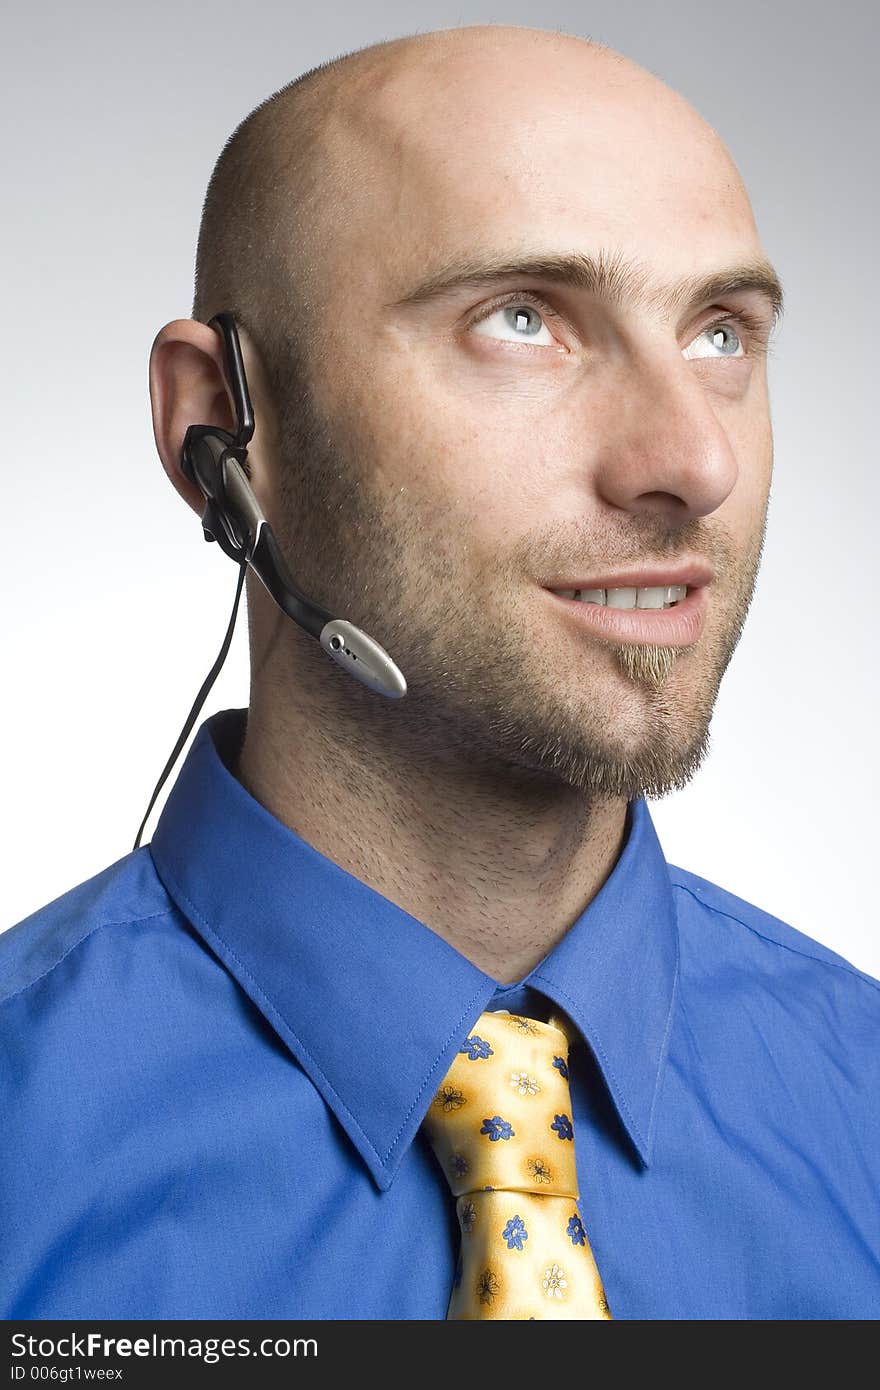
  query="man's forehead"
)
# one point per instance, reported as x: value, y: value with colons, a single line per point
x: 431, y: 172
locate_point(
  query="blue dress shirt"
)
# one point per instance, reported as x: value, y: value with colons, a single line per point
x: 216, y: 1054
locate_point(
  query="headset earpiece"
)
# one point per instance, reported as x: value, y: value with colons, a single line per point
x: 205, y: 457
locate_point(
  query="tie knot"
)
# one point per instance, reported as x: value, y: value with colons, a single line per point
x: 502, y: 1117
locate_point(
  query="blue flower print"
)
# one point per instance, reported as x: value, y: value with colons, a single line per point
x: 476, y: 1049
x: 562, y: 1125
x: 496, y: 1128
x: 515, y: 1233
x: 561, y: 1066
x: 575, y: 1230
x: 459, y: 1165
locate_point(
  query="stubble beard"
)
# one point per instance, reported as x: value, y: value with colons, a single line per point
x: 466, y: 710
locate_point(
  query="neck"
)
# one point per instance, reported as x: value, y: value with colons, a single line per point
x: 497, y: 861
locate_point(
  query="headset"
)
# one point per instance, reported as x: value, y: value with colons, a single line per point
x: 216, y: 461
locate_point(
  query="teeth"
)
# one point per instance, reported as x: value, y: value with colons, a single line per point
x: 622, y: 598
x: 658, y: 596
x: 652, y: 598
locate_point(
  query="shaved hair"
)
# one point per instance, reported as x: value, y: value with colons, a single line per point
x: 266, y: 213
x: 258, y: 234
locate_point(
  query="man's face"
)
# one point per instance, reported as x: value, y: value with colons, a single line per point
x: 475, y: 449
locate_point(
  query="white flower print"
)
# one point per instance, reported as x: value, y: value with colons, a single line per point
x: 554, y: 1281
x: 523, y: 1084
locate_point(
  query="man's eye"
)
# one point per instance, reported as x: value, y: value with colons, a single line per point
x: 719, y: 340
x: 516, y: 322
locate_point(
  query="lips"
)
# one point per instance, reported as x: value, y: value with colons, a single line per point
x: 693, y: 573
x: 680, y: 626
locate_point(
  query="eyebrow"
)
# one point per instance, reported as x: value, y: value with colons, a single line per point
x: 607, y: 275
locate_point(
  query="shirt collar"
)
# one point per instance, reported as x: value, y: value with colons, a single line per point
x: 373, y: 1004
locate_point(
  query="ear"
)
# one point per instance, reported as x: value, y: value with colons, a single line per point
x: 189, y: 386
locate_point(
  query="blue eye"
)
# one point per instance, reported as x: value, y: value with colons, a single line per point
x: 518, y: 320
x: 519, y: 323
x: 722, y: 336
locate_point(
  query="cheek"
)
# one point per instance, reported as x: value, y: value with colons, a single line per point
x: 479, y: 446
x: 739, y: 521
x: 751, y: 437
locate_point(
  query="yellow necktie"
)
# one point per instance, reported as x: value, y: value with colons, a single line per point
x: 501, y: 1127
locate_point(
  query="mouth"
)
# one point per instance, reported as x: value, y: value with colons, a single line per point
x: 669, y: 615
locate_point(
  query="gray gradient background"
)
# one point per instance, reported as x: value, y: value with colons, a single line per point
x: 114, y: 116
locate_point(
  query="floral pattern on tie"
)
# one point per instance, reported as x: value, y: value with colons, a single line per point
x: 539, y: 1170
x: 515, y: 1233
x: 448, y: 1098
x: 555, y: 1282
x: 467, y: 1216
x: 575, y: 1230
x: 563, y: 1126
x: 501, y: 1126
x: 496, y: 1128
x: 523, y: 1084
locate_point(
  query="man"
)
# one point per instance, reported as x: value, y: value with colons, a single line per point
x: 505, y: 315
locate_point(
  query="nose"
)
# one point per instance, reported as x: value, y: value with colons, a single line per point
x: 664, y: 452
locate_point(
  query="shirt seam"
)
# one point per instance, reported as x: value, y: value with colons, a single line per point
x: 434, y: 1065
x: 661, y: 1057
x: 122, y: 922
x: 277, y: 1014
x: 596, y: 1043
x: 845, y: 966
